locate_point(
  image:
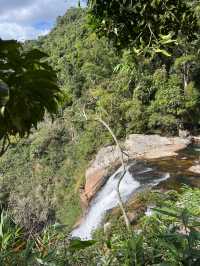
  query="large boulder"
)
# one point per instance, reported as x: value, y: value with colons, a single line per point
x: 195, y: 169
x: 135, y: 146
x: 154, y: 146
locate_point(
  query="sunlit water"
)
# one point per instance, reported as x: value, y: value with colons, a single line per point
x: 107, y: 199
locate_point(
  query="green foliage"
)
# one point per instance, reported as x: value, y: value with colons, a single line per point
x: 169, y: 236
x: 133, y: 95
x: 28, y: 89
x: 125, y: 89
x: 32, y: 179
x: 147, y: 26
x: 77, y: 244
x: 79, y: 57
x: 41, y: 175
x: 159, y: 35
x: 51, y: 247
x: 168, y: 105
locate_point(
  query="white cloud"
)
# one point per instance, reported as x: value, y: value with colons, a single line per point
x: 20, y: 19
x: 12, y: 4
x: 18, y: 32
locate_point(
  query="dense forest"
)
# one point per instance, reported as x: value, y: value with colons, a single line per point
x: 144, y: 83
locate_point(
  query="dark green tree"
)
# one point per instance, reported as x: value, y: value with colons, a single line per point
x: 28, y: 88
x: 148, y: 26
x: 158, y: 34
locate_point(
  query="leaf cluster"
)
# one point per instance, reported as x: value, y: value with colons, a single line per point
x: 28, y: 89
x: 144, y: 25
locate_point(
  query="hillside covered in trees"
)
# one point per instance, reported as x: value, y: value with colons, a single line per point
x: 148, y: 90
x: 115, y: 83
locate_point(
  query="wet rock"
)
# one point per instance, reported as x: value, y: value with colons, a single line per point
x: 195, y: 169
x: 135, y: 146
x: 154, y: 146
x: 83, y: 199
x: 145, y: 178
x: 94, y: 181
x: 183, y: 133
x: 138, y: 167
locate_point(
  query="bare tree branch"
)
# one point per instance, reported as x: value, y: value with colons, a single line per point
x: 124, y: 170
x: 121, y: 205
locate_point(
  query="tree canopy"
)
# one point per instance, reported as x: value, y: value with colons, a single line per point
x: 126, y: 89
x: 148, y: 26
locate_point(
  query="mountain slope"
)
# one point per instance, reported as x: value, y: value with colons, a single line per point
x: 41, y: 175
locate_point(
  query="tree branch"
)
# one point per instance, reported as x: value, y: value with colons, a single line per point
x: 121, y: 205
x: 5, y: 145
x: 124, y: 170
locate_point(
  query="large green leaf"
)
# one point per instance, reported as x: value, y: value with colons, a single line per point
x: 167, y: 212
x: 77, y: 244
x: 28, y: 88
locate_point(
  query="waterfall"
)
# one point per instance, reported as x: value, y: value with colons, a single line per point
x: 106, y: 199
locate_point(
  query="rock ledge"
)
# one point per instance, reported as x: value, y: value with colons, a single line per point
x: 135, y: 146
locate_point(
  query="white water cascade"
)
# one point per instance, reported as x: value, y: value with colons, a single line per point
x: 107, y: 199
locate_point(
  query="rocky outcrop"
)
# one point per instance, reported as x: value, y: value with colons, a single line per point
x: 195, y: 169
x: 107, y: 159
x: 135, y: 146
x: 154, y: 146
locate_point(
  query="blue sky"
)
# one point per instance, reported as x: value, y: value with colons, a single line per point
x: 27, y: 19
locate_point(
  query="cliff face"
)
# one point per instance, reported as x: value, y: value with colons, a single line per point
x: 135, y: 146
